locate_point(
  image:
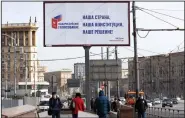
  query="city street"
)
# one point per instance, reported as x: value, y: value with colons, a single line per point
x: 167, y: 112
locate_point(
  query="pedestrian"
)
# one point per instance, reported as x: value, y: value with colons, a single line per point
x: 77, y: 104
x: 119, y: 104
x: 102, y: 105
x: 92, y: 104
x: 114, y: 105
x: 141, y: 106
x: 55, y: 105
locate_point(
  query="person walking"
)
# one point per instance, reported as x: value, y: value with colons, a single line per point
x: 119, y: 104
x: 92, y: 104
x: 141, y: 106
x: 77, y: 104
x: 114, y: 105
x: 102, y: 105
x: 55, y: 105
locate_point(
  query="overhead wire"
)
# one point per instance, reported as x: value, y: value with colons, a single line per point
x: 162, y: 14
x: 158, y: 18
x: 143, y: 36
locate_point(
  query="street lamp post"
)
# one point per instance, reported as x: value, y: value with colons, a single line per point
x: 15, y: 57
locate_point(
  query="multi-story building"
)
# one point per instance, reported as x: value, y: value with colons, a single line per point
x: 79, y: 70
x: 41, y: 71
x: 61, y: 77
x: 18, y: 40
x: 159, y: 75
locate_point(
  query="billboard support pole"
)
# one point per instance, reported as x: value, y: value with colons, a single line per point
x: 87, y: 77
x: 135, y: 51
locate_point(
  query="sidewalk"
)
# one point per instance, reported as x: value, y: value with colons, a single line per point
x: 81, y: 115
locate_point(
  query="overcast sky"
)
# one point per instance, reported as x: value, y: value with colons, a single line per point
x: 154, y: 43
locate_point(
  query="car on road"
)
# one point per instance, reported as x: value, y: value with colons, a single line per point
x: 149, y: 103
x: 43, y: 106
x: 157, y: 101
x: 174, y: 100
x: 167, y: 102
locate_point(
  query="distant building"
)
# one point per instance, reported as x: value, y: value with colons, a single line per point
x: 25, y: 38
x: 124, y: 73
x: 79, y: 70
x: 41, y: 71
x: 61, y: 76
x: 160, y: 75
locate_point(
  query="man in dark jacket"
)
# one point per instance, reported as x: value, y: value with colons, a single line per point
x: 55, y: 105
x: 102, y: 105
x: 141, y: 106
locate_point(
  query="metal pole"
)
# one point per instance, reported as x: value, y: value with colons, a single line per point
x: 108, y: 83
x: 169, y: 86
x: 15, y: 66
x: 87, y: 77
x: 52, y: 84
x: 6, y: 87
x: 26, y: 73
x: 8, y: 64
x: 184, y: 71
x: 135, y: 50
x: 34, y: 81
x: 116, y: 55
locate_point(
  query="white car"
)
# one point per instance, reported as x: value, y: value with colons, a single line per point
x: 149, y: 103
x: 157, y: 101
x: 44, y: 105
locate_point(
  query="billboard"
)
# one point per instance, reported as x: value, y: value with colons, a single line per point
x: 101, y: 70
x: 86, y: 23
x: 71, y: 83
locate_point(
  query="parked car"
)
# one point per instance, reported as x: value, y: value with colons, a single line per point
x: 167, y: 102
x: 43, y: 106
x: 149, y: 103
x: 157, y: 101
x: 174, y: 100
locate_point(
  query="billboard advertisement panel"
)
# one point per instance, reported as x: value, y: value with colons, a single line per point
x: 97, y: 23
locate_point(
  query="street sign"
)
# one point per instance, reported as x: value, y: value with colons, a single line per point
x: 101, y: 70
x: 71, y: 83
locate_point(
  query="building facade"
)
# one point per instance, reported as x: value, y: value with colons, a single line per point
x: 159, y: 75
x: 61, y: 77
x: 41, y: 71
x: 79, y: 70
x: 18, y: 41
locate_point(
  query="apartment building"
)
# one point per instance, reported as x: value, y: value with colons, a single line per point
x: 160, y: 75
x: 79, y: 70
x: 61, y: 79
x: 18, y: 41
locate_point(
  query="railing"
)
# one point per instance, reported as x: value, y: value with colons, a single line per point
x: 157, y: 112
x: 18, y: 24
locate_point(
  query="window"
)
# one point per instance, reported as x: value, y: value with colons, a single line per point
x: 21, y: 42
x: 26, y: 38
x: 9, y: 40
x: 33, y: 38
x: 33, y: 55
x: 3, y: 40
x: 21, y: 75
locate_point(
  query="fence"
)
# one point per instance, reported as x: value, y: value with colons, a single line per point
x: 32, y: 100
x: 7, y: 103
x: 157, y: 112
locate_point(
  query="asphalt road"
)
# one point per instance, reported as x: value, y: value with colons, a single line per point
x: 167, y: 112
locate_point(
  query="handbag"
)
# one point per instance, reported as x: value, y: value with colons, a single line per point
x: 49, y: 111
